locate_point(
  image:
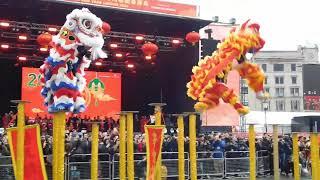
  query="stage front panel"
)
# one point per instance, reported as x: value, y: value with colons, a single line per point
x: 102, y: 94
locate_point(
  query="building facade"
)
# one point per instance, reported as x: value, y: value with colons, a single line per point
x: 283, y: 70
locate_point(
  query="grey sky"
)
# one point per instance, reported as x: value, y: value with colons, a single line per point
x: 284, y: 23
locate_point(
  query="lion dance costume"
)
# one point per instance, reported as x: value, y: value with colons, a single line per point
x: 208, y: 82
x: 79, y: 42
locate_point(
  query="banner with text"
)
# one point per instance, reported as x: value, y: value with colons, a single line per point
x: 102, y: 94
x: 173, y: 7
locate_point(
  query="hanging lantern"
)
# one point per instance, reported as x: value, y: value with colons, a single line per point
x: 149, y: 49
x: 44, y: 39
x: 106, y: 28
x: 193, y: 37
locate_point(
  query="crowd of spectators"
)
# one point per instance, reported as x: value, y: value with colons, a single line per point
x: 78, y: 140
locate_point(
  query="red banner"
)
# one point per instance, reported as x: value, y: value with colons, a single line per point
x: 154, y: 138
x: 102, y: 94
x: 174, y: 7
x: 34, y: 167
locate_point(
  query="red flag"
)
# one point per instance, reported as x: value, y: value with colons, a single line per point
x: 34, y: 168
x: 154, y: 138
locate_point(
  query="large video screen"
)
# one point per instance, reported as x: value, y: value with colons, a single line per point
x: 311, y: 87
x: 102, y: 94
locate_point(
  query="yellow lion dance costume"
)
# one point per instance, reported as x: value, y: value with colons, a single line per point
x: 208, y: 82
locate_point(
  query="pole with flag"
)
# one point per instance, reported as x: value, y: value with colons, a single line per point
x: 154, y: 139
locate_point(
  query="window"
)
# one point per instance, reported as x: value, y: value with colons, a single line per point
x: 280, y: 92
x: 279, y: 79
x: 295, y: 105
x: 267, y: 107
x: 278, y: 67
x: 294, y: 91
x: 280, y: 105
x: 264, y: 67
x: 266, y: 80
x: 244, y: 99
x: 293, y: 67
x: 294, y: 80
x: 268, y: 90
x: 244, y: 90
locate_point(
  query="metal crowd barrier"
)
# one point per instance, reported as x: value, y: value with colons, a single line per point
x: 169, y: 161
x: 210, y: 164
x: 6, y: 168
x: 78, y: 166
x: 263, y: 162
x: 237, y: 163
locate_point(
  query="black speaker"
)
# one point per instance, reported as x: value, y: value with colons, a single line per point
x: 208, y: 46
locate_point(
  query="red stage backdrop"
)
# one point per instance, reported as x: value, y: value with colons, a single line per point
x: 102, y: 94
x: 175, y: 7
x: 224, y: 114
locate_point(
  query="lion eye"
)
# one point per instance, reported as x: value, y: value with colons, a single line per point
x: 64, y: 33
x: 87, y: 23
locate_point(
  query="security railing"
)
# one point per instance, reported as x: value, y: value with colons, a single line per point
x: 6, y: 168
x: 169, y: 162
x: 209, y: 165
x: 263, y: 162
x: 79, y: 166
x: 237, y: 163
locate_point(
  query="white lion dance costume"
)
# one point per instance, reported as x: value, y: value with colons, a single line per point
x: 79, y: 42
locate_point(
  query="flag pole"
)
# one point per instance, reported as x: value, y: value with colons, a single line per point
x: 158, y: 114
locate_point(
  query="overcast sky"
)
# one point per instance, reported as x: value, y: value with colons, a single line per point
x: 284, y: 23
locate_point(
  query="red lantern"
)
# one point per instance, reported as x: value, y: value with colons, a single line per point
x: 106, y: 28
x: 193, y: 37
x: 149, y: 49
x: 44, y: 39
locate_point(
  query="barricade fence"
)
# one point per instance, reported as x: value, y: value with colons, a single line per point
x: 209, y: 164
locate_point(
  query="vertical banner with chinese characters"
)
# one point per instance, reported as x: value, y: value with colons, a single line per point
x: 154, y: 138
x: 34, y: 166
x: 102, y: 94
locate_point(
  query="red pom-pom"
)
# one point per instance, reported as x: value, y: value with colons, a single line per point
x: 44, y: 39
x: 106, y: 28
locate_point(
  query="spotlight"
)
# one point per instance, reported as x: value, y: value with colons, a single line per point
x: 43, y: 49
x: 139, y: 38
x: 130, y: 66
x: 4, y: 46
x: 4, y: 24
x: 98, y: 63
x: 119, y: 55
x: 113, y: 45
x: 52, y: 29
x: 148, y: 57
x: 22, y: 58
x: 22, y: 37
x: 176, y: 41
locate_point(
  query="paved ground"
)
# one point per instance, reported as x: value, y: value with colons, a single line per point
x: 264, y: 178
